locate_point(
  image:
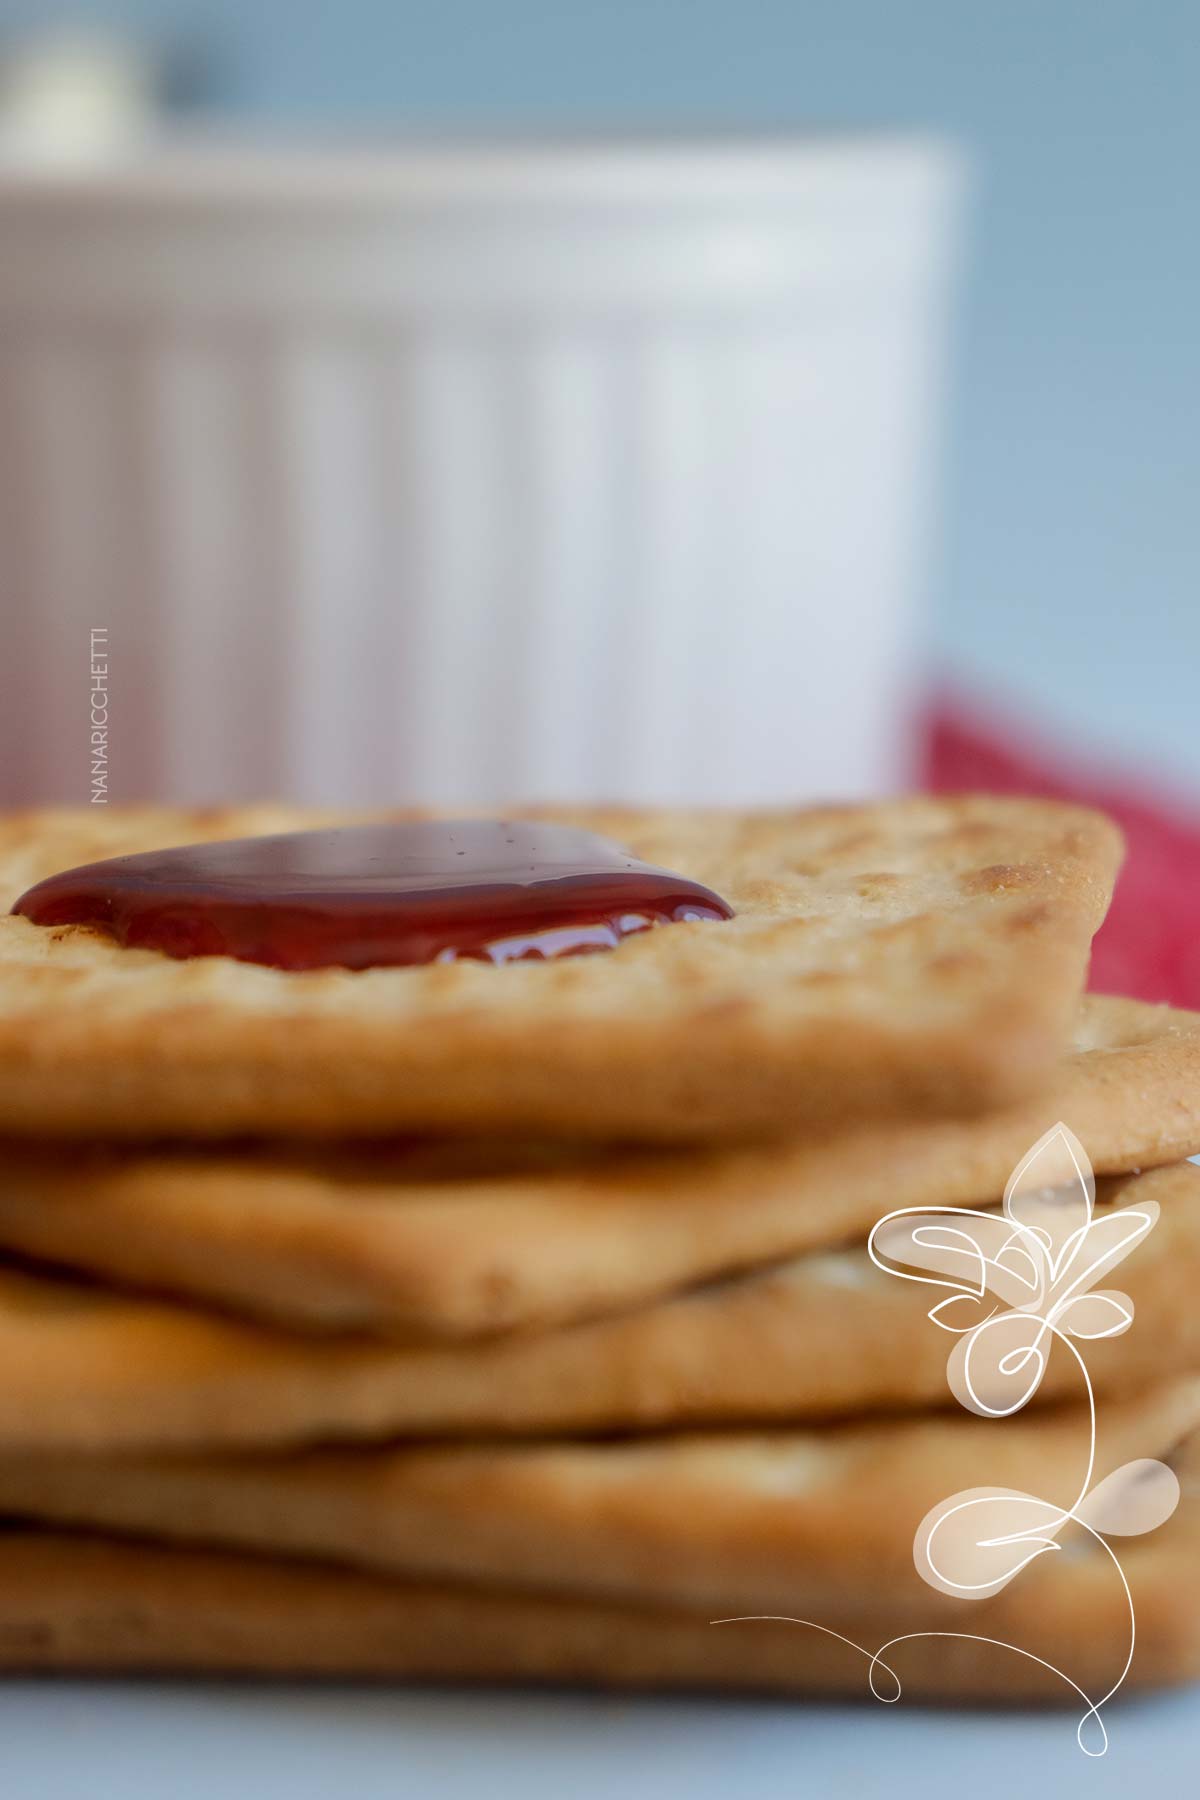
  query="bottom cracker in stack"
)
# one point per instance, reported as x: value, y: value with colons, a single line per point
x: 85, y: 1602
x: 88, y: 1603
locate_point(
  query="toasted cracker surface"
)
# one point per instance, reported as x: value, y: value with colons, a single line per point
x: 92, y: 1605
x: 85, y: 1368
x: 456, y: 1240
x: 785, y: 1521
x: 918, y: 955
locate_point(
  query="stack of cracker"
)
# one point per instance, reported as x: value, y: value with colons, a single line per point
x: 462, y: 1322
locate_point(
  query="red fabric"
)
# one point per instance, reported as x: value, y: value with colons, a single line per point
x: 1149, y: 946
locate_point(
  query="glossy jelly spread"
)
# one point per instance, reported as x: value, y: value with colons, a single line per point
x: 365, y: 896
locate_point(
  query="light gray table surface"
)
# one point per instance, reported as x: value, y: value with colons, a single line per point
x: 206, y: 1741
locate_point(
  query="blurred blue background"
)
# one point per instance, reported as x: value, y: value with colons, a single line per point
x: 1069, y: 569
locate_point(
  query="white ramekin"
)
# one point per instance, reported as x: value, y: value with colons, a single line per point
x: 466, y: 474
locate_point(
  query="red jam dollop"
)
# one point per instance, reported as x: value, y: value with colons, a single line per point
x: 369, y: 896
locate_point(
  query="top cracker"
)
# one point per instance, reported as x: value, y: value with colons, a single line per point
x: 914, y: 956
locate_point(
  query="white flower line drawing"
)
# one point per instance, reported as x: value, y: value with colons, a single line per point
x: 1039, y: 1256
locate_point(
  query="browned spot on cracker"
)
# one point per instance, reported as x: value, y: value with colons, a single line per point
x: 882, y: 881
x: 853, y: 840
x: 733, y: 1006
x: 998, y: 878
x: 954, y: 963
x: 897, y: 930
x: 1029, y: 918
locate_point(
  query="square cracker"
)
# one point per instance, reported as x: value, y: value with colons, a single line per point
x: 444, y: 1240
x: 83, y: 1368
x: 912, y: 956
x: 94, y: 1605
x: 797, y: 1521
